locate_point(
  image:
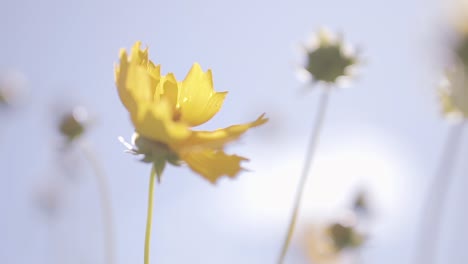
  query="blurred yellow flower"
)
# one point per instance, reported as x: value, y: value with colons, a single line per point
x: 164, y: 110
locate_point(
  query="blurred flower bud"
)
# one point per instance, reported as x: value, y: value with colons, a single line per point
x: 319, y: 246
x: 73, y: 124
x: 344, y: 236
x: 453, y: 93
x: 327, y: 59
x: 361, y: 204
x: 12, y: 87
x: 334, y: 241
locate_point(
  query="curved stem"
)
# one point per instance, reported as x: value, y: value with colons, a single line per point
x: 149, y: 218
x: 105, y: 201
x: 305, y: 171
x: 433, y: 205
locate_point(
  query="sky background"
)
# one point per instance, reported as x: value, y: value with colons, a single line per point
x: 383, y: 133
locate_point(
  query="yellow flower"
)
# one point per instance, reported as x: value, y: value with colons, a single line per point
x: 164, y: 110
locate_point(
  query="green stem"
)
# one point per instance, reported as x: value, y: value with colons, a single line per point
x: 149, y: 218
x: 305, y: 171
x: 433, y: 205
x: 105, y: 200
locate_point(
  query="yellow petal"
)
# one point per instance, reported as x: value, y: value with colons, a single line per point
x: 218, y: 138
x: 136, y: 77
x: 154, y: 71
x: 121, y: 72
x: 133, y: 84
x: 198, y: 100
x: 154, y: 121
x: 169, y: 89
x: 212, y: 164
x: 138, y: 56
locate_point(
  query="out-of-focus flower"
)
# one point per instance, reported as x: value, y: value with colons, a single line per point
x: 331, y: 243
x: 73, y: 124
x: 12, y: 87
x: 459, y: 42
x: 453, y: 93
x: 164, y: 110
x: 5, y: 97
x: 461, y: 48
x: 344, y: 236
x: 361, y: 204
x: 319, y: 246
x: 328, y: 60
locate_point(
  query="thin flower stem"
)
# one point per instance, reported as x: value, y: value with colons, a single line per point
x: 105, y: 200
x: 433, y: 205
x: 305, y: 171
x: 149, y: 218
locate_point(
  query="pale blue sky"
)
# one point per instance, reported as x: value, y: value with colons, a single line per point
x: 67, y: 50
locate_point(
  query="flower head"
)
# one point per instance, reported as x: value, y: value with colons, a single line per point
x: 332, y: 242
x: 344, y: 236
x: 73, y: 123
x: 327, y: 59
x: 13, y: 86
x: 164, y: 110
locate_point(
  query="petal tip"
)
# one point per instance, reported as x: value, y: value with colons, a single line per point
x: 137, y: 44
x: 122, y: 53
x: 198, y: 68
x: 260, y: 120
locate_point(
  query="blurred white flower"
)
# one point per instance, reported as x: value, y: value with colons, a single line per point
x: 453, y: 93
x: 12, y: 87
x: 328, y: 59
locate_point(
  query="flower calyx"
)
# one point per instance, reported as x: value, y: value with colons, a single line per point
x: 154, y: 152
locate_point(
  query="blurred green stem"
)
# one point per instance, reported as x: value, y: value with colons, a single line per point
x: 149, y: 218
x: 105, y: 200
x: 305, y: 171
x: 433, y: 205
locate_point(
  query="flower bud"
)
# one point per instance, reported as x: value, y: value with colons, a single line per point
x: 327, y: 60
x: 73, y: 124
